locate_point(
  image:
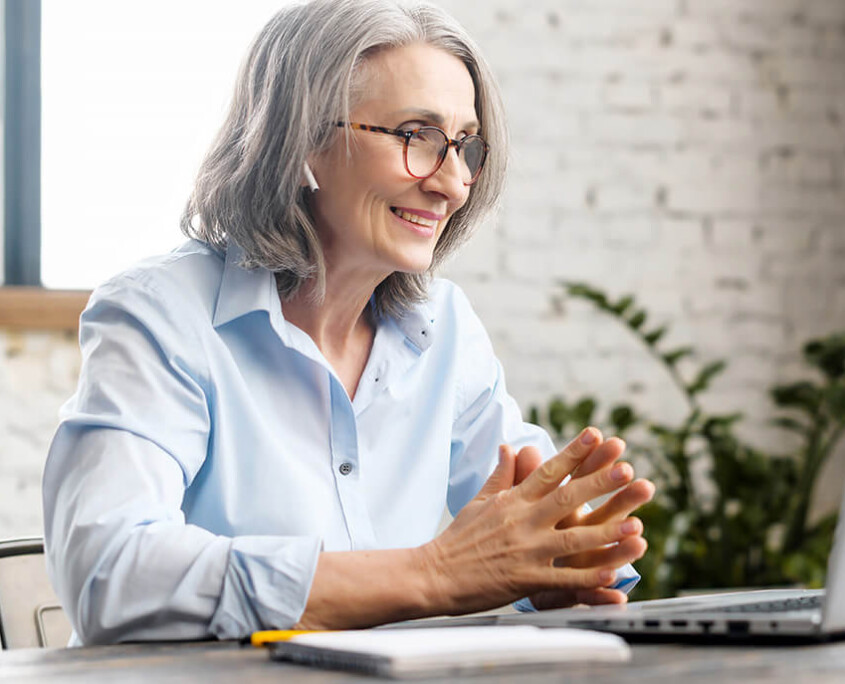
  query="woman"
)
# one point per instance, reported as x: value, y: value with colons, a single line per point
x: 271, y: 419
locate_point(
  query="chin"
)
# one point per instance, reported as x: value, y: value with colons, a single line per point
x: 417, y: 266
x: 411, y: 261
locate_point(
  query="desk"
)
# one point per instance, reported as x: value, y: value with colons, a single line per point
x: 212, y: 662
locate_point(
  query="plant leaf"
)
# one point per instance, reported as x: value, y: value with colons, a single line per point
x: 702, y: 381
x: 803, y: 395
x: 623, y: 304
x: 790, y: 424
x: 636, y: 321
x: 584, y: 291
x: 834, y: 397
x: 828, y: 355
x: 675, y: 355
x: 721, y: 422
x: 582, y: 412
x: 558, y: 416
x: 622, y: 417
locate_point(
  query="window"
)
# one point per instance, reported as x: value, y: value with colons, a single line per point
x: 131, y: 96
x: 21, y: 143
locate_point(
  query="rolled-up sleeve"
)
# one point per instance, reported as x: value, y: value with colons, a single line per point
x: 120, y: 554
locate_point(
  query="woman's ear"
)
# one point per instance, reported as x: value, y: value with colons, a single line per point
x: 310, y: 180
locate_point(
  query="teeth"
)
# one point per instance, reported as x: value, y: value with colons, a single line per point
x: 413, y: 218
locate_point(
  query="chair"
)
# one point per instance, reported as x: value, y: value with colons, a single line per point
x: 30, y: 613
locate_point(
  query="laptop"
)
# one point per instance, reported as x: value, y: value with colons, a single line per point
x: 774, y: 615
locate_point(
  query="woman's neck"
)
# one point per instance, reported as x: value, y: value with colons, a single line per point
x: 338, y: 317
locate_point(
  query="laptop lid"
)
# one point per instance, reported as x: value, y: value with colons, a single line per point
x: 833, y: 615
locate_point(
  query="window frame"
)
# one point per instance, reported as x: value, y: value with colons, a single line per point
x: 24, y: 303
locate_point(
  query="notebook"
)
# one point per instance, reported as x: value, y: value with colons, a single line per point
x: 439, y: 652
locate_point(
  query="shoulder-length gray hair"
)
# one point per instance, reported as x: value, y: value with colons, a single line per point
x: 298, y: 78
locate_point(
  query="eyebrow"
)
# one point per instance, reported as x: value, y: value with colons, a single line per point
x: 430, y: 115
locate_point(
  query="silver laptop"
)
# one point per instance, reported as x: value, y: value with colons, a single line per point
x: 777, y: 614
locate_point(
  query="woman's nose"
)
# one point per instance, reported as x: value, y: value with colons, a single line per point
x: 448, y: 180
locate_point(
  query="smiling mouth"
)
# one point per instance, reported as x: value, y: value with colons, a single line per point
x: 414, y: 218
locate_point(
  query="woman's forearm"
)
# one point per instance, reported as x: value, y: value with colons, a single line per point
x: 354, y: 589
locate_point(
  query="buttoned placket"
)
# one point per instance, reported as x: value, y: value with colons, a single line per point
x: 395, y: 349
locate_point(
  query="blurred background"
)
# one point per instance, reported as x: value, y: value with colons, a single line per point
x: 689, y: 154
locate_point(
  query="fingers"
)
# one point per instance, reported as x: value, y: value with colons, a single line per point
x: 503, y: 476
x: 603, y: 455
x: 550, y: 474
x: 627, y: 550
x: 527, y: 461
x: 564, y: 598
x: 622, y: 503
x: 596, y: 540
x: 566, y: 500
x: 581, y: 578
x: 600, y: 596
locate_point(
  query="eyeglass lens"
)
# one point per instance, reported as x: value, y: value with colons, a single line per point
x: 427, y: 147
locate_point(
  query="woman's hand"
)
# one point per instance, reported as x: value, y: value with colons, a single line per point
x: 618, y: 507
x: 525, y: 534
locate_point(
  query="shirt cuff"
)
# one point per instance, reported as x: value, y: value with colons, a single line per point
x: 524, y: 605
x: 266, y: 585
x: 626, y: 579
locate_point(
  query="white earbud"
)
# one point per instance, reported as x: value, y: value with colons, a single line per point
x: 309, y: 178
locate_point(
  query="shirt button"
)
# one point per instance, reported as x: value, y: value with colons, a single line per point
x: 345, y: 468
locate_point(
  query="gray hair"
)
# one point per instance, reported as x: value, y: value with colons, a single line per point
x: 299, y: 77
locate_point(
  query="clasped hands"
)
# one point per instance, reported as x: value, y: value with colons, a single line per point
x: 526, y: 533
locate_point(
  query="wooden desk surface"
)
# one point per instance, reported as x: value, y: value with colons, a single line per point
x: 212, y: 662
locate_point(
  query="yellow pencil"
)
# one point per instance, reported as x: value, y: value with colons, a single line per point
x: 271, y: 635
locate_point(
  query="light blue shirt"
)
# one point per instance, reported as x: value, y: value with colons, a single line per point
x: 210, y: 452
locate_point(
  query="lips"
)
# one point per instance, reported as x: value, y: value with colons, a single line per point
x: 422, y: 218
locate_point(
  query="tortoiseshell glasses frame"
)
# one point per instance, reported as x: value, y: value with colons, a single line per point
x: 428, y: 147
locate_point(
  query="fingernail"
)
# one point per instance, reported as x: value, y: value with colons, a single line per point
x: 503, y: 450
x: 588, y: 436
x: 628, y: 527
x: 619, y: 472
x: 606, y: 576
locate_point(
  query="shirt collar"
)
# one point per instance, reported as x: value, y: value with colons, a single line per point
x: 417, y: 325
x: 242, y: 290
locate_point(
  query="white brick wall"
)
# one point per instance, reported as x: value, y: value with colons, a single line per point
x: 689, y: 151
x: 37, y: 373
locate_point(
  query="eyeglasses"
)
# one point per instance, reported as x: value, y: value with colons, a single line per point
x: 425, y: 150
